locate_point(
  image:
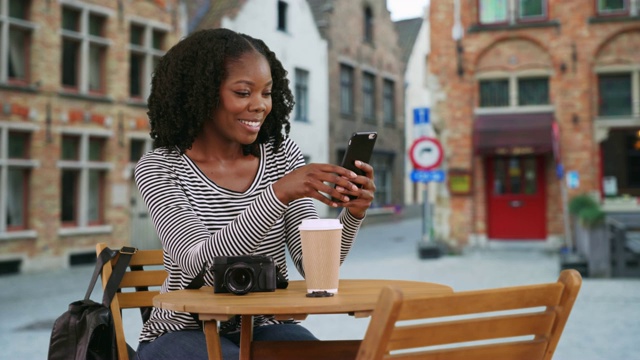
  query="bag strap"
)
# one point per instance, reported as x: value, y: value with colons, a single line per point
x: 105, y: 255
x: 116, y: 275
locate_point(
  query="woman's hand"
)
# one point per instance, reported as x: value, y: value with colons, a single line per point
x: 315, y: 181
x: 358, y: 207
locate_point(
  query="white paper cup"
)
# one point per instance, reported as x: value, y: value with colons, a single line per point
x: 321, y: 239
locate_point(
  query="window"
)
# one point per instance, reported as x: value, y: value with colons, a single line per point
x: 384, y: 179
x: 346, y: 90
x: 84, y: 49
x: 621, y: 162
x: 146, y: 44
x: 516, y: 91
x: 388, y: 102
x: 618, y: 7
x: 83, y: 175
x: 616, y: 94
x: 368, y: 24
x: 511, y: 11
x: 15, y: 53
x: 15, y: 174
x: 369, y: 97
x: 282, y: 15
x: 302, y: 95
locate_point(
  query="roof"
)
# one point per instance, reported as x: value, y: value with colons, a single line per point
x: 319, y: 9
x: 407, y: 34
x: 217, y: 10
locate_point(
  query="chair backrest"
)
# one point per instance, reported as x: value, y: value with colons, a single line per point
x: 520, y: 322
x: 136, y: 290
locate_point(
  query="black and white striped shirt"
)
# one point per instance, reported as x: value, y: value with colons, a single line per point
x: 197, y: 220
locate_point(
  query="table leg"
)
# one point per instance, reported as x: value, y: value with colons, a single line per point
x: 213, y: 340
x: 246, y: 336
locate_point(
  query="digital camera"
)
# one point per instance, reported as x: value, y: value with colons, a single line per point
x: 242, y: 274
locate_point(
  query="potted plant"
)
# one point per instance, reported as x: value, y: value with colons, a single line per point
x: 590, y: 234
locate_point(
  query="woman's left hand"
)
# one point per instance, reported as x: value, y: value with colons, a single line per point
x: 358, y: 206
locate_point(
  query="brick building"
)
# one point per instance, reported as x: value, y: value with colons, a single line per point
x: 525, y: 86
x: 74, y: 78
x: 366, y: 73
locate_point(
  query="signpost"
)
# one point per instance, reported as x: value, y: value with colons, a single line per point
x: 426, y: 155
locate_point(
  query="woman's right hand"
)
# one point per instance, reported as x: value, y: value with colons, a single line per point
x: 314, y: 181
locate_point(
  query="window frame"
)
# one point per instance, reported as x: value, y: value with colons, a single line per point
x: 513, y: 105
x: 388, y: 102
x: 347, y: 90
x: 634, y: 71
x: 282, y: 16
x: 301, y: 110
x: 147, y: 52
x: 24, y: 26
x: 369, y: 103
x: 513, y: 16
x: 7, y: 163
x: 86, y: 41
x: 368, y: 24
x: 81, y: 224
x: 631, y: 8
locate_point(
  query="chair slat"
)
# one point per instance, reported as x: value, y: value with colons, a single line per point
x: 470, y: 302
x: 143, y: 278
x: 475, y: 329
x: 136, y: 299
x: 512, y: 351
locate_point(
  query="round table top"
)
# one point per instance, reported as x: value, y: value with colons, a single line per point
x: 353, y: 296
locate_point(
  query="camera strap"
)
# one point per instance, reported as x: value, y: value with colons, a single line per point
x: 197, y: 283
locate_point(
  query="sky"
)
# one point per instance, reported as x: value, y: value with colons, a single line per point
x: 406, y: 9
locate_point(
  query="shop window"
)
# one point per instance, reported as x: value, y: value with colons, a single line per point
x: 146, y: 44
x: 346, y: 90
x: 302, y: 95
x: 84, y: 49
x: 621, y: 163
x: 616, y: 93
x: 369, y: 97
x: 492, y: 12
x: 15, y: 174
x: 388, y: 102
x: 514, y: 175
x: 383, y: 164
x: 83, y: 170
x: 16, y: 24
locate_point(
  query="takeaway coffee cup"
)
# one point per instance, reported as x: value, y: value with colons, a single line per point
x: 321, y: 240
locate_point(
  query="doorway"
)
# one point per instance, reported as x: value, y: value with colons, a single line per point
x: 516, y: 198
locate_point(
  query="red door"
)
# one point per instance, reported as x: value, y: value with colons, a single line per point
x: 516, y: 198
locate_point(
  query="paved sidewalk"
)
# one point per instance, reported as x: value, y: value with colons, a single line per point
x: 604, y: 324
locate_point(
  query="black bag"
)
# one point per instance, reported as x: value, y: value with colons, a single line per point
x: 85, y: 331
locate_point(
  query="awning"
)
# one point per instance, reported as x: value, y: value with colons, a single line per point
x: 513, y: 134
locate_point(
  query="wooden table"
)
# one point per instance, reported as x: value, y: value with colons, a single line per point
x: 354, y: 297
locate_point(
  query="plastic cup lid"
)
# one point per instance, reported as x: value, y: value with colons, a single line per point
x: 320, y: 224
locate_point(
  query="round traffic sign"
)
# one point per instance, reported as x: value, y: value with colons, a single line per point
x: 426, y: 153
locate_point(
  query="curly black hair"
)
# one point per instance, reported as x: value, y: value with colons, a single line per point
x: 185, y: 89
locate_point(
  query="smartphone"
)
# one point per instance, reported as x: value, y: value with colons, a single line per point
x: 360, y: 147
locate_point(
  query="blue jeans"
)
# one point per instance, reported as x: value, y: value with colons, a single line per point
x: 191, y: 344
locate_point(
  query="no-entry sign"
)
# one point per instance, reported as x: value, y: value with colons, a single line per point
x: 426, y: 153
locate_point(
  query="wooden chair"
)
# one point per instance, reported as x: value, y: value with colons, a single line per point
x: 520, y: 322
x: 136, y: 290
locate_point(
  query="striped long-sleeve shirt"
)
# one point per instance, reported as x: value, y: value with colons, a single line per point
x: 196, y: 220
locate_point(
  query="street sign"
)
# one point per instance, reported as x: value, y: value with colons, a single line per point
x: 573, y: 179
x: 426, y: 153
x: 421, y: 116
x: 426, y: 176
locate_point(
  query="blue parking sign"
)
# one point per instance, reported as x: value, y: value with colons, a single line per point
x: 421, y: 115
x: 426, y: 176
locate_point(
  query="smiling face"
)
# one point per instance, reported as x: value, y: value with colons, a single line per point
x: 245, y: 99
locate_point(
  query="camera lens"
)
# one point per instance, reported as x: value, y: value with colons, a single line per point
x: 239, y: 278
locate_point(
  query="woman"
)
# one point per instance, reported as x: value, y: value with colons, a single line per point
x: 224, y: 179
